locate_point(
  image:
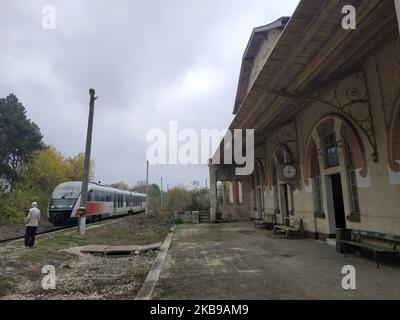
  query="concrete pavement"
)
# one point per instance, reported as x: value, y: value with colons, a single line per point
x: 237, y: 261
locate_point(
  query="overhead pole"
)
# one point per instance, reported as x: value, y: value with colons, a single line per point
x: 147, y: 187
x: 86, y: 166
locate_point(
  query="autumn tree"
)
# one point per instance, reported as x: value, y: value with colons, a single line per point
x: 45, y: 170
x: 74, y: 168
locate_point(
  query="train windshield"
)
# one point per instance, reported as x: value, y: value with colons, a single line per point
x: 64, y: 197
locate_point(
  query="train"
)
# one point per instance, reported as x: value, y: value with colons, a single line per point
x: 102, y: 202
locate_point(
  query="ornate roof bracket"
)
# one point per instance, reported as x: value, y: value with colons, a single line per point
x: 351, y: 97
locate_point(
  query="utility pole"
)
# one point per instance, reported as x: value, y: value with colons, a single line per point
x: 86, y: 166
x: 161, y: 205
x: 167, y: 200
x: 147, y: 187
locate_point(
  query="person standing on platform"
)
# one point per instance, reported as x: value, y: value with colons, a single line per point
x: 31, y: 221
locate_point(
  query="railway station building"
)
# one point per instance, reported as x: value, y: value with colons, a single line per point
x: 324, y: 102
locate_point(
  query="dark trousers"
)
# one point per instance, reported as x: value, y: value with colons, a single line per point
x: 30, y: 234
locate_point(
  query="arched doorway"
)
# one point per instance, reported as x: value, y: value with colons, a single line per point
x: 259, y: 191
x: 334, y: 158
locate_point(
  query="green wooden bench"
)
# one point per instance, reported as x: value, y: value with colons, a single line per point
x: 364, y: 240
x: 268, y: 220
x: 292, y: 227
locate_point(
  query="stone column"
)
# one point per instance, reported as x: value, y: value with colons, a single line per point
x: 397, y: 5
x: 213, y: 192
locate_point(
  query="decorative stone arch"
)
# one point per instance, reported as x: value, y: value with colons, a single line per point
x: 347, y: 132
x: 259, y: 169
x: 279, y: 153
x: 394, y: 138
x: 310, y: 160
x: 276, y: 160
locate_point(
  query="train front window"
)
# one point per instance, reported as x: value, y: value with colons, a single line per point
x: 64, y: 197
x: 66, y: 193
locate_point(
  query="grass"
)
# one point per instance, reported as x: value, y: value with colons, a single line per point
x: 23, y: 264
x: 10, y: 229
x: 130, y: 230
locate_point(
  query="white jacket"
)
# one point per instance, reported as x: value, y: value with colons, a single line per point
x: 33, y: 217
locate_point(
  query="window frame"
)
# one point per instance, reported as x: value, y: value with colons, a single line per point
x: 329, y: 142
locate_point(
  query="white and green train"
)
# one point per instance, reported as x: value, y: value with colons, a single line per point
x: 102, y: 201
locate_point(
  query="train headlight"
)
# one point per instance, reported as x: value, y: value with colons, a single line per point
x: 52, y: 207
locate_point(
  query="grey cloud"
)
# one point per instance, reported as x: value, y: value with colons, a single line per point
x: 137, y: 54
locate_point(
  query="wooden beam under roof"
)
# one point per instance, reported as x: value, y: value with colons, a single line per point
x: 366, y: 7
x: 318, y: 19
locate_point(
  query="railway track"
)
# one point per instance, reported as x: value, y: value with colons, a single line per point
x: 65, y: 228
x: 37, y: 234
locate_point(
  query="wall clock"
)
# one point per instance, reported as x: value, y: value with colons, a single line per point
x: 289, y: 171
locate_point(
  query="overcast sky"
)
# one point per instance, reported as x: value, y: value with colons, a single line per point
x: 149, y: 61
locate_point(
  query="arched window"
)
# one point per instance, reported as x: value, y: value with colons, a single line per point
x: 325, y: 137
x: 331, y: 150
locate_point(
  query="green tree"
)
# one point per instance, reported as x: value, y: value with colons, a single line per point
x: 154, y: 193
x: 177, y: 198
x: 45, y: 170
x: 198, y: 198
x: 139, y: 187
x: 120, y: 185
x: 19, y: 137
